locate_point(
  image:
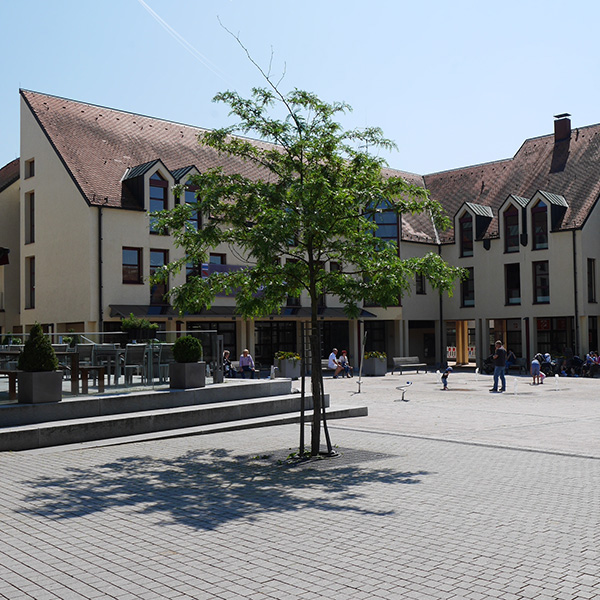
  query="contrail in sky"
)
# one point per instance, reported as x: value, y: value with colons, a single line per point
x: 195, y: 53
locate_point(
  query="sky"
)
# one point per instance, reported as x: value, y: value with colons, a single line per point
x: 453, y: 84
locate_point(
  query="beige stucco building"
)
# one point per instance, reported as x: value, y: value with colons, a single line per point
x: 74, y: 212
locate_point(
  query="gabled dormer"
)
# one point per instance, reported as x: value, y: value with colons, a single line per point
x: 513, y: 223
x: 558, y: 208
x: 183, y: 177
x: 148, y: 187
x: 472, y: 223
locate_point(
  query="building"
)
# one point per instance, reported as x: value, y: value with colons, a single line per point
x: 75, y: 215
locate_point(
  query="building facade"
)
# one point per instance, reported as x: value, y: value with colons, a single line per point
x: 75, y: 214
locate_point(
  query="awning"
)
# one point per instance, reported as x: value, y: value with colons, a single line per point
x: 299, y: 312
x: 4, y: 256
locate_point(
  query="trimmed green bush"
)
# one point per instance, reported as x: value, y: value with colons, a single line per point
x: 187, y: 349
x: 38, y: 354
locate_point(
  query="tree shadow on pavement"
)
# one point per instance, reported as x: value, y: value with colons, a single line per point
x: 204, y: 489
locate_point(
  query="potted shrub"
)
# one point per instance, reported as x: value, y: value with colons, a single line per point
x: 375, y: 363
x: 188, y: 370
x: 39, y: 379
x: 138, y: 329
x: 288, y: 364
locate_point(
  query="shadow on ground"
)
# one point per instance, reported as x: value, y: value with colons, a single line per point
x: 204, y: 489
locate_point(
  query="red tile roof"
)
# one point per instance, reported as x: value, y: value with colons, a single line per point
x: 568, y: 168
x: 98, y: 144
x: 9, y: 174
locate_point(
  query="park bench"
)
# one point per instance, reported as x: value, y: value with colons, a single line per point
x: 408, y: 362
x: 519, y: 365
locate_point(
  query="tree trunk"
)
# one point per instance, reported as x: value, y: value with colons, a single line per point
x: 315, y: 379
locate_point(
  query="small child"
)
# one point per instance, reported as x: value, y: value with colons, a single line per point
x: 445, y: 374
x: 535, y: 369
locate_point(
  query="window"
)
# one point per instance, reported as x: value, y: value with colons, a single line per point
x: 386, y: 219
x: 217, y: 259
x: 467, y: 288
x: 30, y: 282
x: 541, y: 282
x: 420, y: 283
x: 158, y: 198
x: 158, y: 258
x: 30, y: 218
x: 192, y: 269
x: 512, y: 280
x: 466, y: 235
x: 539, y: 219
x: 29, y: 168
x: 511, y: 229
x: 132, y: 265
x: 591, y: 279
x: 194, y: 222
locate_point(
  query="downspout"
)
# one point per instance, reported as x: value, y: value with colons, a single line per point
x: 443, y: 355
x: 100, y: 283
x: 575, y: 292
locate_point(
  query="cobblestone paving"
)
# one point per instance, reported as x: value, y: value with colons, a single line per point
x: 414, y: 507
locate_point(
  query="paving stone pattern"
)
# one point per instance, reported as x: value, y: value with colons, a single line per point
x: 437, y: 497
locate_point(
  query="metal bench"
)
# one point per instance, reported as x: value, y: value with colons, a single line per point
x: 408, y: 362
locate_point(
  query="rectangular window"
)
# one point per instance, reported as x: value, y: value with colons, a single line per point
x: 217, y: 259
x: 30, y: 218
x: 511, y: 230
x: 192, y: 269
x: 512, y: 284
x: 29, y: 168
x: 420, y: 283
x: 591, y: 279
x: 468, y: 289
x: 132, y: 265
x: 541, y: 282
x: 466, y: 235
x: 30, y: 282
x: 158, y: 258
x: 194, y: 221
x: 159, y: 189
x: 539, y: 218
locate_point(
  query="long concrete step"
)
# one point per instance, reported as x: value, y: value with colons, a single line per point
x: 340, y: 412
x: 127, y: 401
x: 83, y: 429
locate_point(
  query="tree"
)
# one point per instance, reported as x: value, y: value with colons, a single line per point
x: 311, y: 200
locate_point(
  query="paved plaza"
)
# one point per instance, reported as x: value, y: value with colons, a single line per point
x: 461, y: 494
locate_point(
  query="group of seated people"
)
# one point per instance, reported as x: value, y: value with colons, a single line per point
x: 339, y: 363
x: 246, y: 365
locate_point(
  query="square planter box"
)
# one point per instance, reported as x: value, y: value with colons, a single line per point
x: 39, y: 386
x: 184, y: 376
x: 289, y: 368
x: 374, y: 366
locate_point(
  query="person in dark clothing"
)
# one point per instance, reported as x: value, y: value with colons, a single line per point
x: 499, y: 366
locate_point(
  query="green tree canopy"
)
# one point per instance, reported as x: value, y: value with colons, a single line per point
x: 310, y: 199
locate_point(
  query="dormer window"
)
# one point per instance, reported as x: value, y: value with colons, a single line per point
x: 539, y: 222
x: 194, y: 222
x: 159, y: 189
x: 511, y: 229
x: 466, y: 234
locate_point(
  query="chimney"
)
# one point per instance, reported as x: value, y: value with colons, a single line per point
x: 562, y: 127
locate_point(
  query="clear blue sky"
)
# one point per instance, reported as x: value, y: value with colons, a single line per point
x: 452, y: 83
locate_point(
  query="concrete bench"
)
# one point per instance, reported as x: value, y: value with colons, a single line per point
x: 12, y: 382
x: 408, y: 362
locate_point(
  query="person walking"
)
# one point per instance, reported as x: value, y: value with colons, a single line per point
x: 499, y: 359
